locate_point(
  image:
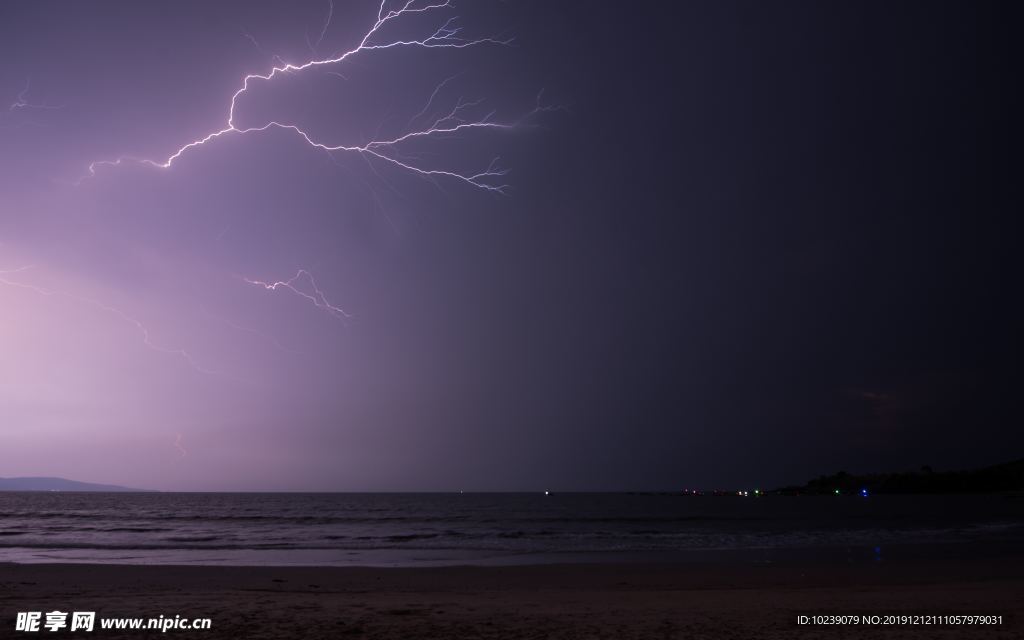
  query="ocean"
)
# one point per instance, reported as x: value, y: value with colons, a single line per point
x: 441, y: 529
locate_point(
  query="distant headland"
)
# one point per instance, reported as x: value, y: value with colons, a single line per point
x: 1004, y: 477
x: 56, y: 484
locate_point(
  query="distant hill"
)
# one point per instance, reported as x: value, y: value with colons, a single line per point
x: 56, y: 484
x: 1001, y: 477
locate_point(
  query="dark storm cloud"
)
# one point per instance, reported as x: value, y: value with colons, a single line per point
x: 765, y: 241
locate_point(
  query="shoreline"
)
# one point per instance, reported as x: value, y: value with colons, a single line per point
x: 579, y: 600
x: 444, y: 557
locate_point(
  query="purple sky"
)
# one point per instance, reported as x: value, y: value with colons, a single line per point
x: 136, y: 345
x: 685, y: 272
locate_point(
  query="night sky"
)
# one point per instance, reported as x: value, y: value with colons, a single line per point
x: 741, y: 244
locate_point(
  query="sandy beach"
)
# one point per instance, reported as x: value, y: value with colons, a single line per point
x: 607, y: 600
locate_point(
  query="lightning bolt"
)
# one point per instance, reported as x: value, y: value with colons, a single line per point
x: 430, y: 100
x: 385, y: 151
x: 142, y: 329
x: 323, y: 32
x: 464, y: 117
x: 179, y: 446
x: 303, y: 284
x: 23, y: 103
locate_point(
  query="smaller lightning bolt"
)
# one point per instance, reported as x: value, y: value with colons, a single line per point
x: 146, y: 336
x: 23, y: 103
x: 179, y: 446
x: 251, y: 38
x: 323, y: 32
x: 303, y: 284
x: 274, y: 58
x: 430, y: 100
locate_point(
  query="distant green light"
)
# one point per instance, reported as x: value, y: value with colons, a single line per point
x: 837, y: 492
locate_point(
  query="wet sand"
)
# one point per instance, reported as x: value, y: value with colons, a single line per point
x: 575, y: 601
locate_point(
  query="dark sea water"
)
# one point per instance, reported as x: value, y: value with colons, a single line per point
x: 414, y: 529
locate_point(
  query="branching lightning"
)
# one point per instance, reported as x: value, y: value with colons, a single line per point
x: 382, y: 151
x: 303, y: 284
x: 386, y: 151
